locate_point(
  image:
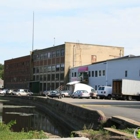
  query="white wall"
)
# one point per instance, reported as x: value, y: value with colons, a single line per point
x: 114, y: 69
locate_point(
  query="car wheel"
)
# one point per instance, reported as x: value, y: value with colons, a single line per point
x: 98, y: 97
x: 63, y: 95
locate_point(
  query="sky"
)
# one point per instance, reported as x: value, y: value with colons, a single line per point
x: 101, y: 22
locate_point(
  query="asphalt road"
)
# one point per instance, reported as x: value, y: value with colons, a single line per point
x: 129, y: 109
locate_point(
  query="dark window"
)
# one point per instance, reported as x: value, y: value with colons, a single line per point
x: 126, y: 73
x: 62, y: 76
x: 58, y: 53
x: 89, y: 73
x: 96, y: 73
x: 103, y: 72
x: 54, y: 54
x: 92, y: 73
x: 53, y: 77
x: 62, y: 52
x: 48, y: 77
x: 75, y: 74
x: 99, y: 72
x: 57, y: 77
x: 72, y: 74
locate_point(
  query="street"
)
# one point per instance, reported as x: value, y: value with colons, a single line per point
x: 129, y: 109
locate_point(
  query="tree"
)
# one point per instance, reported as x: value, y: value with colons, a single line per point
x: 1, y: 71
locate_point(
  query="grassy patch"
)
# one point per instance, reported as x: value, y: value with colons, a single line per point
x: 7, y: 134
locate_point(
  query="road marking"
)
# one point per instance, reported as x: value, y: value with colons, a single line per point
x: 95, y: 105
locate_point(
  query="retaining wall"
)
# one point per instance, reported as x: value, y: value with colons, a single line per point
x: 71, y: 116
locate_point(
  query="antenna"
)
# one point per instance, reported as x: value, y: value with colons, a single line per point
x: 33, y: 34
x: 54, y: 42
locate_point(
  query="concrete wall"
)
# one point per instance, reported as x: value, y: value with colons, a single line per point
x: 71, y: 116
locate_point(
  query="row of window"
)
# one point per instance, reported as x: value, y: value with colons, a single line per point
x: 90, y: 73
x: 49, y: 77
x: 48, y: 55
x: 44, y: 69
x: 18, y: 65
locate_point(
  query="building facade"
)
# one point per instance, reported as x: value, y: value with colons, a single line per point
x: 48, y: 68
x: 17, y: 72
x: 102, y: 73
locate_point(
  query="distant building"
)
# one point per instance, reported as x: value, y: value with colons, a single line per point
x: 102, y: 73
x: 17, y: 72
x: 48, y: 68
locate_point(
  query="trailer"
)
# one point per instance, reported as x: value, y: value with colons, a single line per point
x: 126, y: 89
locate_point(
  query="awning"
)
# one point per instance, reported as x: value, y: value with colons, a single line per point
x: 83, y: 69
x: 73, y: 82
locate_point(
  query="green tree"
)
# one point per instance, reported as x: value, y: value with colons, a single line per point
x: 1, y: 71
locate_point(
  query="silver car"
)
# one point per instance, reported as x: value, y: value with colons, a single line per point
x: 22, y: 92
x: 81, y: 94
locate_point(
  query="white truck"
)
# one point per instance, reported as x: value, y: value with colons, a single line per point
x: 126, y: 89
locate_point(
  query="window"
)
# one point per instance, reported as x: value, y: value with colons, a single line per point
x: 46, y: 55
x: 44, y: 78
x: 42, y: 56
x: 49, y: 68
x: 53, y: 68
x: 53, y: 54
x: 75, y: 74
x: 99, y: 72
x: 62, y: 52
x: 126, y: 73
x: 57, y: 77
x: 48, y: 77
x: 49, y: 55
x: 92, y: 73
x: 58, y: 67
x: 103, y: 72
x: 62, y: 67
x: 53, y: 77
x: 96, y: 73
x: 89, y: 73
x: 58, y: 53
x: 62, y: 76
x: 72, y: 74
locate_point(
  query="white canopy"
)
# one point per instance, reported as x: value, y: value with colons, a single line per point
x: 73, y: 82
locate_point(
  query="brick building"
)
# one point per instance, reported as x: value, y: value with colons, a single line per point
x: 17, y: 72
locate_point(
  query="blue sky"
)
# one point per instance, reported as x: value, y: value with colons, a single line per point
x: 102, y: 22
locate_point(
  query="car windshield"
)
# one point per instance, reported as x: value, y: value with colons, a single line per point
x: 101, y: 88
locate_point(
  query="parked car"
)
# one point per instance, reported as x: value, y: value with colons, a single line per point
x: 3, y: 91
x: 65, y: 93
x: 45, y: 93
x: 55, y: 93
x: 81, y: 94
x: 93, y: 94
x: 22, y: 92
x: 10, y: 91
x: 104, y: 92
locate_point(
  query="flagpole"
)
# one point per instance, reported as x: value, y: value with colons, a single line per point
x: 33, y: 34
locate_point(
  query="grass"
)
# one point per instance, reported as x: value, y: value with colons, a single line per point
x: 7, y: 134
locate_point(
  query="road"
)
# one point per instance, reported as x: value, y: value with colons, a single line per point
x: 129, y: 109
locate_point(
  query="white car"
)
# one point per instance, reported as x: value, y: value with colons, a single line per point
x: 22, y: 92
x: 3, y: 91
x: 81, y: 94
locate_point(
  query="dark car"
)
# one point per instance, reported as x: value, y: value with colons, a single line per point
x: 55, y: 93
